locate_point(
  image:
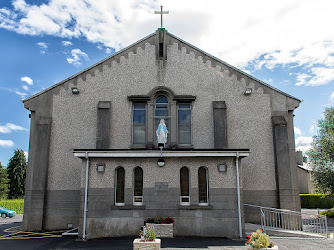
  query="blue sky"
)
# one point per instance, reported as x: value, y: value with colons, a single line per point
x: 287, y: 44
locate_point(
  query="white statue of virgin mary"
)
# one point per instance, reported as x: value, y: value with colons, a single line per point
x: 162, y: 132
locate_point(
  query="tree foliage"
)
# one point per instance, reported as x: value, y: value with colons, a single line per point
x: 16, y: 171
x: 3, y: 182
x: 321, y: 154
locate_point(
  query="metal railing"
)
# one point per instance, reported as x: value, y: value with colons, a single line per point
x: 283, y: 219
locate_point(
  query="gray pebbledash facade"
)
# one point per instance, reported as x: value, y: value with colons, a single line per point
x: 109, y: 127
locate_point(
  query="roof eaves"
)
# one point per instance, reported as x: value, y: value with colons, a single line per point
x: 236, y: 69
x: 87, y: 69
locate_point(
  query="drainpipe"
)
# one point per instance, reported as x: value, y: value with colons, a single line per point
x: 238, y: 193
x: 86, y: 198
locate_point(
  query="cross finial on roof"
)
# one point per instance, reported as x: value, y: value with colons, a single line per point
x: 161, y: 12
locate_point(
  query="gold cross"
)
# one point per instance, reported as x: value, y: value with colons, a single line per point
x: 161, y: 12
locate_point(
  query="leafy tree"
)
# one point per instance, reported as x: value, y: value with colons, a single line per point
x: 3, y: 182
x: 16, y: 171
x: 321, y: 154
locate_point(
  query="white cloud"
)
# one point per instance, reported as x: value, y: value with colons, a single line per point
x: 332, y: 96
x: 25, y: 87
x: 321, y: 76
x: 297, y: 131
x: 25, y: 154
x: 77, y: 55
x: 301, y: 78
x: 6, y: 143
x: 43, y: 47
x: 108, y: 50
x: 264, y: 33
x: 27, y: 80
x: 21, y: 94
x: 312, y: 128
x: 66, y: 43
x: 303, y: 143
x: 9, y: 127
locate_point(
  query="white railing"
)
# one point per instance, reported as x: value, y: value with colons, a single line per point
x: 283, y: 219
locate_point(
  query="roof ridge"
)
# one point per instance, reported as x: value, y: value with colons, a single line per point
x: 143, y: 39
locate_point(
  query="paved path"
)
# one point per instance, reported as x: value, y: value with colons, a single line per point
x: 12, y: 238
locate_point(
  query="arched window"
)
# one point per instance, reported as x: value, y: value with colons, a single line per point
x: 138, y: 187
x: 184, y: 184
x: 161, y: 111
x: 202, y: 186
x: 119, y: 186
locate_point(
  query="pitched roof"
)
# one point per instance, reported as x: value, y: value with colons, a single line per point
x: 146, y: 38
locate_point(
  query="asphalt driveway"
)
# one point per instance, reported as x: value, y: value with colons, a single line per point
x: 11, y: 237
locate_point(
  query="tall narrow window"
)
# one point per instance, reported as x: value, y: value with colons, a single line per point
x: 161, y: 111
x: 203, y: 186
x: 184, y: 184
x: 138, y: 187
x: 184, y: 123
x: 139, y: 123
x: 119, y: 183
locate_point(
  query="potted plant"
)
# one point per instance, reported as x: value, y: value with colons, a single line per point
x: 147, y: 240
x: 163, y: 226
x: 259, y: 240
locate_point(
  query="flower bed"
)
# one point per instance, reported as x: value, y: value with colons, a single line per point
x: 139, y: 244
x: 259, y: 240
x: 162, y: 230
x: 162, y: 226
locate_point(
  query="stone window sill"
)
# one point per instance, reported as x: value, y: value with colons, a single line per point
x: 195, y: 207
x: 128, y: 207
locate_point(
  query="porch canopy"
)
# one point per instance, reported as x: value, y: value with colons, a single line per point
x: 152, y: 153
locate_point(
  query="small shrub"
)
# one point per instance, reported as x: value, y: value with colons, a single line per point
x: 259, y: 239
x: 168, y: 220
x: 16, y: 205
x: 329, y: 213
x: 150, y: 220
x: 158, y: 219
x: 150, y: 234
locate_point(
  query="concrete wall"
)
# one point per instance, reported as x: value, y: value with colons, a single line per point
x: 220, y: 218
x: 306, y: 185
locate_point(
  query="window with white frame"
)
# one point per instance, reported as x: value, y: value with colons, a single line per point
x: 203, y: 186
x: 184, y: 185
x: 119, y: 186
x: 138, y: 187
x: 139, y: 123
x: 184, y: 123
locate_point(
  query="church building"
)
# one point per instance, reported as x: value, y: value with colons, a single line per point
x: 160, y: 128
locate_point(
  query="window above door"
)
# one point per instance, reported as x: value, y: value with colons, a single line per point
x: 162, y: 103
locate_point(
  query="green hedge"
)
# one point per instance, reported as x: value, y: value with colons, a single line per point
x: 316, y: 201
x: 329, y: 213
x: 16, y: 205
